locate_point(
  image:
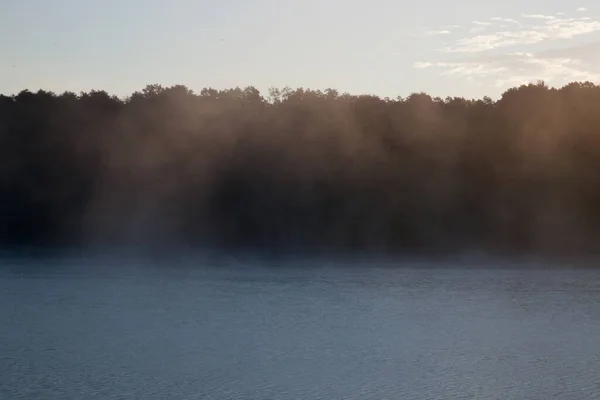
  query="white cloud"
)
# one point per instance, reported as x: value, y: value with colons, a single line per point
x: 494, y: 40
x: 477, y: 29
x: 517, y: 66
x: 509, y: 20
x: 480, y: 26
x: 558, y: 66
x: 437, y: 32
x: 422, y: 65
x: 522, y: 33
x: 581, y: 9
x: 444, y: 30
x: 538, y: 16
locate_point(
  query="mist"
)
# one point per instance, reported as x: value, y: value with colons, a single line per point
x: 300, y: 170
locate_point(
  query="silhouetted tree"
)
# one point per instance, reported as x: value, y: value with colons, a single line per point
x: 303, y: 169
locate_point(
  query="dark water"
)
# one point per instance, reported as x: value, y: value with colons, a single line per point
x: 77, y: 330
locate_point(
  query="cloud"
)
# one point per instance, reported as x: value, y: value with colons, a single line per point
x: 581, y: 9
x: 480, y: 26
x: 422, y: 65
x: 480, y: 58
x: 477, y: 29
x: 509, y: 20
x: 539, y: 16
x: 494, y: 40
x: 556, y: 66
x: 545, y: 27
x: 444, y: 30
x: 437, y: 32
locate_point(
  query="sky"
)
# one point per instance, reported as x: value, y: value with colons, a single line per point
x: 468, y: 48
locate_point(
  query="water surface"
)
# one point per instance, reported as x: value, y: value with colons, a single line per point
x: 102, y: 329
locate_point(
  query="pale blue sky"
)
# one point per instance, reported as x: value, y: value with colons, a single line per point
x: 386, y: 47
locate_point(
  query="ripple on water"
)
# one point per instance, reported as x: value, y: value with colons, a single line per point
x: 299, y: 334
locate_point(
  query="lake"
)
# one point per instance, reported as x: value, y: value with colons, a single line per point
x: 107, y: 328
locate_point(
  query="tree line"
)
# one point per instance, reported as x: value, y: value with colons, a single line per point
x: 303, y: 169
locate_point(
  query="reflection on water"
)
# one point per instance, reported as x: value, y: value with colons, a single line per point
x: 98, y: 330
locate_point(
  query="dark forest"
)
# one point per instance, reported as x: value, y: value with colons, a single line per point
x: 303, y: 169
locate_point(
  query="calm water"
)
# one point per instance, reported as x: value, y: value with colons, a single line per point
x: 108, y: 330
